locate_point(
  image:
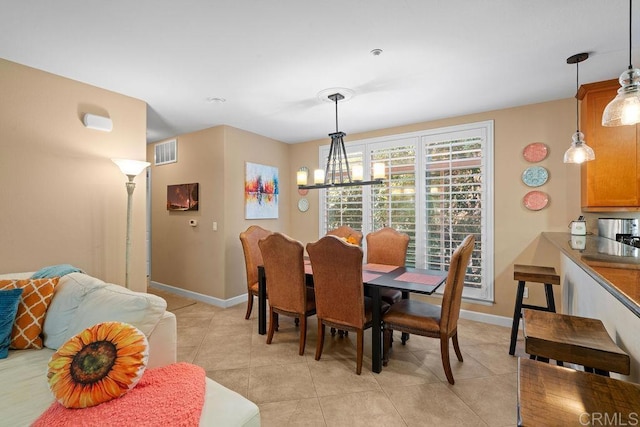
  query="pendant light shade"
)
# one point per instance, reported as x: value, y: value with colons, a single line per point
x: 579, y: 151
x: 624, y: 109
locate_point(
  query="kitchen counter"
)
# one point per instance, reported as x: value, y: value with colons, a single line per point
x: 613, y: 265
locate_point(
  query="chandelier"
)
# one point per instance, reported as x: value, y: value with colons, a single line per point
x: 337, y: 172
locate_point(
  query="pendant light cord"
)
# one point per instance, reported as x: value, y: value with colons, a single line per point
x: 577, y: 83
x: 336, y: 100
x: 630, y: 66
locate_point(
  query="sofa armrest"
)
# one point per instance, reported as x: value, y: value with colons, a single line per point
x: 163, y: 342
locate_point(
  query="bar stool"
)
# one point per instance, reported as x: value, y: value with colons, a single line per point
x: 531, y: 273
x: 579, y: 340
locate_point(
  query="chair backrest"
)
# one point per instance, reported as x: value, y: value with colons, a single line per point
x: 337, y: 278
x: 283, y: 260
x: 252, y: 256
x: 387, y: 246
x: 345, y: 232
x: 452, y: 297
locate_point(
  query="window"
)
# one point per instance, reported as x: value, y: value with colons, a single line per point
x: 437, y: 188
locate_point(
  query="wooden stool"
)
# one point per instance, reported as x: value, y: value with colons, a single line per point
x: 573, y: 339
x: 531, y: 273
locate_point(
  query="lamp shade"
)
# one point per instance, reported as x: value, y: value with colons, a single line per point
x: 131, y: 167
x: 579, y: 151
x: 624, y: 109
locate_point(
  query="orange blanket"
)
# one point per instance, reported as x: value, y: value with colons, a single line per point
x: 170, y: 395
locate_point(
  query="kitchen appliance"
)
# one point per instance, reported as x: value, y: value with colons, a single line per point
x: 623, y: 230
x: 579, y: 227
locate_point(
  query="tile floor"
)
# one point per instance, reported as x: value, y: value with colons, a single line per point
x: 293, y: 390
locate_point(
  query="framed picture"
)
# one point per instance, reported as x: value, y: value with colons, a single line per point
x: 261, y: 189
x: 182, y: 197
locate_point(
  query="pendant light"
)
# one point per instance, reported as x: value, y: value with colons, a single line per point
x: 624, y: 109
x: 337, y: 172
x: 579, y: 151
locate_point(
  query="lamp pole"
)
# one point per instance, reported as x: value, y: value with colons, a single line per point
x: 130, y: 187
x: 131, y: 168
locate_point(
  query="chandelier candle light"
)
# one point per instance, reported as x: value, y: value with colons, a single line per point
x: 337, y: 168
x: 131, y: 168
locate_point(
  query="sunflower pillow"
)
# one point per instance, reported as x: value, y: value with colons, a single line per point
x: 101, y: 363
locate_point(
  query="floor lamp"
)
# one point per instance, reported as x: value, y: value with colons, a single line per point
x: 131, y: 168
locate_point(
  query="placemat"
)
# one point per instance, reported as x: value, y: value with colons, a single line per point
x: 382, y: 268
x: 423, y: 279
x: 367, y: 277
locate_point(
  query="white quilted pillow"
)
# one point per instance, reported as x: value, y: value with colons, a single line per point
x: 115, y: 303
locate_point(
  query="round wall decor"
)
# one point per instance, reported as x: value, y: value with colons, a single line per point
x: 303, y: 205
x: 535, y: 200
x: 535, y: 176
x: 535, y: 152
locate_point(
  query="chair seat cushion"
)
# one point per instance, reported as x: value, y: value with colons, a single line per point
x: 414, y: 315
x: 254, y: 288
x: 390, y: 296
x: 368, y: 314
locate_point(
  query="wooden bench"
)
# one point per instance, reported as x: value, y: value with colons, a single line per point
x: 580, y: 340
x: 550, y: 395
x: 535, y: 274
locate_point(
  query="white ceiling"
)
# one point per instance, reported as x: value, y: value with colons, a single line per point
x: 270, y: 59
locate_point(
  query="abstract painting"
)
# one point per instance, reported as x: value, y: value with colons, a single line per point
x: 261, y: 189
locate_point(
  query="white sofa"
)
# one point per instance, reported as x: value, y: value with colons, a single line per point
x: 80, y: 301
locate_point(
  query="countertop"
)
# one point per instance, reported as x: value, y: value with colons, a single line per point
x: 615, y: 266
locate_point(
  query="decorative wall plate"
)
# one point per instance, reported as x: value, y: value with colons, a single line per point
x: 303, y: 205
x: 535, y: 200
x: 535, y: 176
x: 303, y: 191
x: 535, y: 152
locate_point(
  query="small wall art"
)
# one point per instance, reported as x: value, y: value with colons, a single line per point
x: 182, y: 197
x: 261, y: 191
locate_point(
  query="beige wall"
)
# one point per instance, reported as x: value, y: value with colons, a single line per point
x: 516, y: 234
x: 63, y: 200
x: 198, y: 259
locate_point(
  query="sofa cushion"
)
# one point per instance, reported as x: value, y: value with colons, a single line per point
x: 35, y: 299
x: 81, y: 301
x: 71, y: 290
x: 115, y: 303
x: 99, y: 364
x: 9, y: 300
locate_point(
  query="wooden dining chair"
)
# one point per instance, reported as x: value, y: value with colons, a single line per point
x: 346, y: 232
x: 389, y: 247
x: 421, y: 318
x: 252, y: 259
x: 340, y: 300
x: 286, y: 283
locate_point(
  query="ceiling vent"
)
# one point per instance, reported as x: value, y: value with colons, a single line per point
x: 166, y: 152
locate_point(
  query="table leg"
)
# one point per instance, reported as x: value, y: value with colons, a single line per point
x: 262, y: 302
x: 376, y: 330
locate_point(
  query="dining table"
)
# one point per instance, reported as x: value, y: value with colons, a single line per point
x: 374, y: 277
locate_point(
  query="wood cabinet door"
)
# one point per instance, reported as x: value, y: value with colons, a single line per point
x: 611, y: 180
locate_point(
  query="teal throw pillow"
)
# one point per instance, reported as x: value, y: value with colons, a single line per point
x: 9, y: 300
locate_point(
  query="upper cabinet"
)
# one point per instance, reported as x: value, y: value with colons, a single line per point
x: 611, y: 182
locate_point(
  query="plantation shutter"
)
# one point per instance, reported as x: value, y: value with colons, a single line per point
x: 393, y: 204
x: 454, y: 194
x: 343, y: 205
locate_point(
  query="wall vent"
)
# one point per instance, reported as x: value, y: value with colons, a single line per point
x: 166, y: 152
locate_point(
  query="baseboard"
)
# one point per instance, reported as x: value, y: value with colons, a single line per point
x: 491, y: 319
x: 224, y: 303
x: 465, y: 314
